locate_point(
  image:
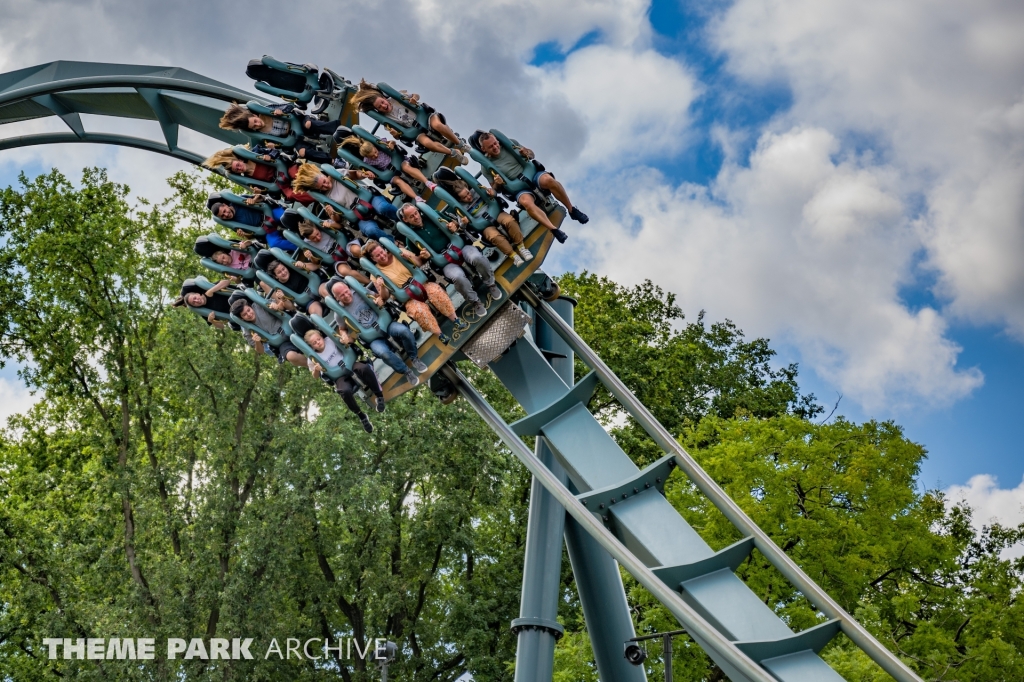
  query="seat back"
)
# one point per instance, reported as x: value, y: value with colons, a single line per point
x: 308, y: 281
x: 366, y: 334
x: 258, y: 136
x: 300, y: 325
x: 294, y: 82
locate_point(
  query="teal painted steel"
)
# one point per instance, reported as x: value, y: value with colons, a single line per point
x: 742, y: 667
x: 821, y: 600
x: 172, y: 97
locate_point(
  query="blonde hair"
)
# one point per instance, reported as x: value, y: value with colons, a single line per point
x: 305, y: 177
x: 365, y: 96
x: 235, y: 118
x: 368, y: 149
x: 351, y: 141
x: 224, y: 157
x: 305, y: 337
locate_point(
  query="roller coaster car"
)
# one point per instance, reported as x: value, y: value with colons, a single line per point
x: 218, y: 305
x: 511, y: 186
x: 239, y: 202
x: 207, y: 245
x: 254, y: 297
x: 308, y: 281
x: 298, y: 83
x: 301, y: 324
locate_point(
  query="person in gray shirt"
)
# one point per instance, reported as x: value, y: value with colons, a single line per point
x: 258, y: 316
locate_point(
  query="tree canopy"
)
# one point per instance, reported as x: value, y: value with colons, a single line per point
x: 170, y: 482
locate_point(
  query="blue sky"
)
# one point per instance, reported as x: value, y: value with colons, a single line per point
x: 841, y: 176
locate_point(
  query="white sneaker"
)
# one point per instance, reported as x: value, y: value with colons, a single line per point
x: 517, y: 259
x: 524, y: 252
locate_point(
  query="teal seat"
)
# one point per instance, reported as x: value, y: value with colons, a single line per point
x: 300, y: 324
x: 300, y: 297
x: 206, y: 246
x: 294, y: 82
x: 511, y: 185
x: 406, y: 134
x: 231, y: 198
x: 433, y: 224
x: 287, y: 141
x: 200, y: 285
x: 396, y: 291
x: 274, y: 339
x: 365, y: 334
x: 362, y: 192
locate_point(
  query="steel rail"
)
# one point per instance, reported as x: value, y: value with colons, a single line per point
x: 100, y: 138
x: 707, y: 485
x: 690, y: 619
x: 225, y: 93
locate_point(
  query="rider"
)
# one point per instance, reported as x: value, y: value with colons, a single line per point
x: 256, y: 315
x: 281, y: 123
x: 438, y: 138
x: 503, y: 159
x: 476, y: 206
x: 344, y: 386
x: 401, y: 276
x: 354, y: 304
x: 311, y: 178
x: 437, y: 240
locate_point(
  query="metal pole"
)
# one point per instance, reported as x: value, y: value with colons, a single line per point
x: 707, y: 485
x: 667, y: 652
x: 597, y: 577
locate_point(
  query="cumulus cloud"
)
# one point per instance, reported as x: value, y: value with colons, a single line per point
x: 799, y: 245
x: 991, y: 504
x: 938, y: 86
x: 634, y: 103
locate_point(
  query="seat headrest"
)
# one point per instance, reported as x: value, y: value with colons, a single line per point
x: 204, y: 247
x: 290, y: 220
x: 301, y: 324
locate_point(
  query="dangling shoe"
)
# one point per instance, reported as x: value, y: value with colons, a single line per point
x: 461, y: 324
x: 524, y: 252
x: 560, y: 236
x: 479, y: 309
x: 411, y: 377
x: 495, y: 291
x: 378, y: 404
x: 444, y: 338
x: 419, y: 366
x: 431, y: 185
x: 517, y: 260
x: 579, y: 216
x: 365, y: 421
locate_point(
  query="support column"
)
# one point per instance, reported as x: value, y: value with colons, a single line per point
x: 537, y: 627
x: 597, y: 577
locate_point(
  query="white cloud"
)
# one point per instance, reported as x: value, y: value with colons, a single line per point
x: 635, y: 104
x: 15, y: 398
x: 806, y: 244
x: 938, y: 85
x: 991, y: 504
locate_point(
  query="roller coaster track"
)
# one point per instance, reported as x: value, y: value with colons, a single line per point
x: 617, y: 513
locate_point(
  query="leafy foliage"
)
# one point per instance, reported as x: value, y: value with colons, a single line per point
x: 171, y: 483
